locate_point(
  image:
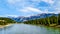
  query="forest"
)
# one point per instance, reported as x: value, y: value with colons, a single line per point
x: 52, y: 20
x: 5, y: 21
x: 55, y: 20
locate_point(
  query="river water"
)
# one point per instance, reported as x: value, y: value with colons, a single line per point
x: 29, y: 29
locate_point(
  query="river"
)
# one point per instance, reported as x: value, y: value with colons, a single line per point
x: 29, y: 29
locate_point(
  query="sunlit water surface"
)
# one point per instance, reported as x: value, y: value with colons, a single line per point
x: 29, y: 29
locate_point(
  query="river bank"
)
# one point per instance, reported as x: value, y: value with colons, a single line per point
x: 51, y: 25
x: 54, y: 25
x: 2, y: 26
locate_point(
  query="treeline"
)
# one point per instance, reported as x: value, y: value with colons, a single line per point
x: 54, y: 19
x: 4, y: 21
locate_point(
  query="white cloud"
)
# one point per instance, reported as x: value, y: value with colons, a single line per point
x: 12, y: 15
x: 13, y: 1
x: 57, y: 10
x: 22, y: 3
x: 33, y: 9
x: 7, y: 15
x: 1, y: 16
x: 49, y: 1
x: 30, y: 9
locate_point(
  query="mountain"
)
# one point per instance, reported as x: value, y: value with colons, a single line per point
x: 53, y: 20
x: 22, y: 18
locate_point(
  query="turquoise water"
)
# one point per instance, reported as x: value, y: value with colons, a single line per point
x: 28, y: 29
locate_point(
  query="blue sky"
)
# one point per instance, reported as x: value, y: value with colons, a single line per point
x: 28, y: 7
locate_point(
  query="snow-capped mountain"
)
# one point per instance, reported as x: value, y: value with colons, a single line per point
x: 22, y: 18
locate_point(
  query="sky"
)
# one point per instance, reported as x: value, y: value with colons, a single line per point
x: 28, y: 7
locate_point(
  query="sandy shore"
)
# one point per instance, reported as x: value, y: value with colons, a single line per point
x: 2, y: 26
x: 58, y: 26
x: 53, y: 25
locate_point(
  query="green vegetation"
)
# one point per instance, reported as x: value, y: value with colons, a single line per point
x: 50, y: 21
x: 5, y: 21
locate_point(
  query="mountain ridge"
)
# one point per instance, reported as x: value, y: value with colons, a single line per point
x: 22, y: 18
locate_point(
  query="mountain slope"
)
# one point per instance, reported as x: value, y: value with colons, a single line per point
x: 22, y: 19
x: 53, y: 20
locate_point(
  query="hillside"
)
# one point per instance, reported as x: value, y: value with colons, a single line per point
x: 51, y: 21
x: 4, y: 21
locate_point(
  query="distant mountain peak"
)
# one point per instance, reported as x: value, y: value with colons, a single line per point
x: 22, y: 18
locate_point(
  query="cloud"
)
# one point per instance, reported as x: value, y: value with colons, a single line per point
x: 7, y: 15
x: 57, y: 10
x: 24, y: 3
x: 30, y: 9
x: 12, y: 15
x: 49, y: 1
x: 1, y: 16
x: 13, y: 1
x: 17, y: 3
x: 27, y: 6
x: 33, y: 1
